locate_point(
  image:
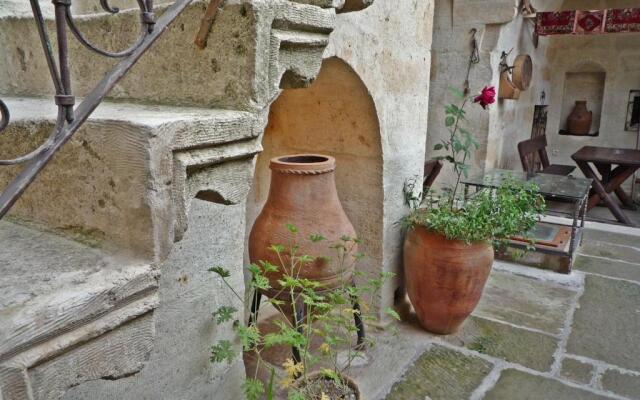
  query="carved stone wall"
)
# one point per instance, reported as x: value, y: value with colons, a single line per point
x: 388, y: 46
x: 181, y: 132
x: 612, y: 58
x: 453, y: 23
x: 500, y: 28
x: 156, y: 182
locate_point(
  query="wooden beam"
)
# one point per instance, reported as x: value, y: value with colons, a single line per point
x: 206, y: 24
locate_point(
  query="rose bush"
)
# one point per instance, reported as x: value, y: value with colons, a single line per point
x: 492, y: 215
x: 486, y: 97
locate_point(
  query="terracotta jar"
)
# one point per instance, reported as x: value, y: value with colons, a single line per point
x: 579, y: 121
x: 302, y: 193
x: 444, y: 278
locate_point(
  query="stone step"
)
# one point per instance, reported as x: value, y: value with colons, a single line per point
x: 127, y: 177
x: 21, y: 8
x: 67, y: 304
x: 240, y: 68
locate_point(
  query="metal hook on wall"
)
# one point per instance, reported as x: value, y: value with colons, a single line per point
x: 474, y: 58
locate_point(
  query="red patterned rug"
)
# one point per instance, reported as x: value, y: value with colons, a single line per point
x: 588, y: 22
x: 623, y: 20
x: 555, y: 23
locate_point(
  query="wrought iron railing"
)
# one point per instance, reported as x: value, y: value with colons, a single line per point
x: 71, y: 118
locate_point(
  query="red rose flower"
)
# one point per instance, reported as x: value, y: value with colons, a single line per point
x: 486, y: 97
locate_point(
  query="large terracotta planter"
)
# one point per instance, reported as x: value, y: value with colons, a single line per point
x: 444, y: 278
x: 580, y: 119
x: 302, y: 193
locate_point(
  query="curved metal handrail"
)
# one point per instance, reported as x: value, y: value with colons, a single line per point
x: 69, y: 119
x: 4, y: 116
x: 43, y: 147
x: 61, y: 79
x: 113, y: 10
x: 147, y: 21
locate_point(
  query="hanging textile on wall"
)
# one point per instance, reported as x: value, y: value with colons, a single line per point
x: 555, y: 23
x: 588, y: 22
x: 623, y: 20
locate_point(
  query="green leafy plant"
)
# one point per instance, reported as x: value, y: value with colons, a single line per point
x: 328, y: 315
x: 489, y: 214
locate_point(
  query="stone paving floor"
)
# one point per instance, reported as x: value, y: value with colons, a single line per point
x: 535, y: 335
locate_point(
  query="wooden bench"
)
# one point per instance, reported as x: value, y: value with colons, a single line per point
x: 528, y: 150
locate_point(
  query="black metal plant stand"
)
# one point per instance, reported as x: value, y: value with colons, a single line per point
x: 300, y: 316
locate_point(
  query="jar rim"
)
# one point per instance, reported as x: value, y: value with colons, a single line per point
x: 312, y: 163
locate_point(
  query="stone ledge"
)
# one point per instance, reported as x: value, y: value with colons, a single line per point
x: 232, y: 72
x: 118, y: 353
x: 52, y: 285
x: 210, y: 126
x: 130, y: 163
x: 473, y: 12
x: 58, y: 295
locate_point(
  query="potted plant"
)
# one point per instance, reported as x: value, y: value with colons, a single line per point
x: 328, y: 313
x: 449, y: 246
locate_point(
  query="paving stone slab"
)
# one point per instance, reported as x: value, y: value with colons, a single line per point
x: 576, y: 371
x: 606, y: 324
x: 531, y: 349
x: 613, y: 268
x: 519, y: 385
x: 620, y: 383
x: 611, y: 251
x: 591, y: 235
x: 441, y: 374
x: 525, y: 301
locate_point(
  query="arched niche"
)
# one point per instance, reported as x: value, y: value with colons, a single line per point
x: 335, y: 116
x: 584, y: 82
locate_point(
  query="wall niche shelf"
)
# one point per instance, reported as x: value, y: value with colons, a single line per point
x: 566, y: 133
x: 586, y: 83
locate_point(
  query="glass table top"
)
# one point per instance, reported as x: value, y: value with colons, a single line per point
x: 559, y: 186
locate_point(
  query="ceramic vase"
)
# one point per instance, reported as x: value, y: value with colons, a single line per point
x: 579, y: 121
x: 302, y: 193
x: 444, y: 278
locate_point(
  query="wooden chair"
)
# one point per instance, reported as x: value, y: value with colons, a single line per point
x: 432, y: 169
x: 528, y: 150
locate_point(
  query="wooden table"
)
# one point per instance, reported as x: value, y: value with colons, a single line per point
x: 604, y: 158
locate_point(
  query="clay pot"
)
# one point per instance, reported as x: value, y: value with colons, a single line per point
x: 348, y: 381
x: 302, y: 193
x: 579, y: 121
x: 444, y: 278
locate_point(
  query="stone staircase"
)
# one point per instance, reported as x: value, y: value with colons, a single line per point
x: 59, y: 293
x: 83, y: 250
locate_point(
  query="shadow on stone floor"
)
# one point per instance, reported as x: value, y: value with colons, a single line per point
x: 535, y: 335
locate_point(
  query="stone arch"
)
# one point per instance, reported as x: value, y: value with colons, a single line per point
x: 587, y: 66
x: 336, y: 115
